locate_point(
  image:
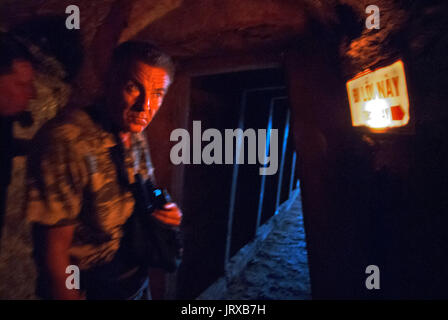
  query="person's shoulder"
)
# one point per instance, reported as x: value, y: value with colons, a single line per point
x: 66, y: 128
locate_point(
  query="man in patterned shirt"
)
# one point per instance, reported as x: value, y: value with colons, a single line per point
x: 79, y: 176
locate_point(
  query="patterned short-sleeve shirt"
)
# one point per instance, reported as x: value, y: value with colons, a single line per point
x: 73, y: 178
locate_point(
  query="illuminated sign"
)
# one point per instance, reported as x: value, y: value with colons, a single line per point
x: 379, y: 99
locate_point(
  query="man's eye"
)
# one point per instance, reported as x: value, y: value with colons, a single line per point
x: 158, y: 94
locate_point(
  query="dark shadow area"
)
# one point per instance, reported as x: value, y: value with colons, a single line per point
x: 216, y: 101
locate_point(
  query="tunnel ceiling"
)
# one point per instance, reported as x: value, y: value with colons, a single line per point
x: 213, y: 27
x: 195, y: 28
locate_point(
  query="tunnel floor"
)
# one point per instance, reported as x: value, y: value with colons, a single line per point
x: 279, y: 270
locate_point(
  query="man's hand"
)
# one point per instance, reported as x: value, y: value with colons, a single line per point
x: 170, y: 214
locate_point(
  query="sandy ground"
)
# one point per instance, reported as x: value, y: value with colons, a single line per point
x: 279, y: 270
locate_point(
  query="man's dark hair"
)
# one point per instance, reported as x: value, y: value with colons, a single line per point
x: 10, y: 50
x: 129, y: 52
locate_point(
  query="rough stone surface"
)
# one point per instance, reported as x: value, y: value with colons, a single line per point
x: 17, y: 270
x: 279, y: 271
x: 212, y: 27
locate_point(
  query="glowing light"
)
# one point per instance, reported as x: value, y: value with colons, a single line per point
x: 379, y: 113
x: 379, y: 98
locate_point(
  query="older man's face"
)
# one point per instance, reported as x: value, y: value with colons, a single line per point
x: 138, y: 97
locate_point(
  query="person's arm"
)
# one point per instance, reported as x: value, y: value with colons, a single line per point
x: 56, y: 178
x: 53, y: 245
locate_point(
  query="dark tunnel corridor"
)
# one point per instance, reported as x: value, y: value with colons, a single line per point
x: 241, y: 200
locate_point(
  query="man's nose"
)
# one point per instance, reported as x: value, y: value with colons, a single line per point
x: 143, y: 104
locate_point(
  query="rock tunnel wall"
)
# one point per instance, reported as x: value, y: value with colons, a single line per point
x: 372, y: 198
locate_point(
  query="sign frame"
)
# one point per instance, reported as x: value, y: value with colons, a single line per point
x: 408, y: 128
